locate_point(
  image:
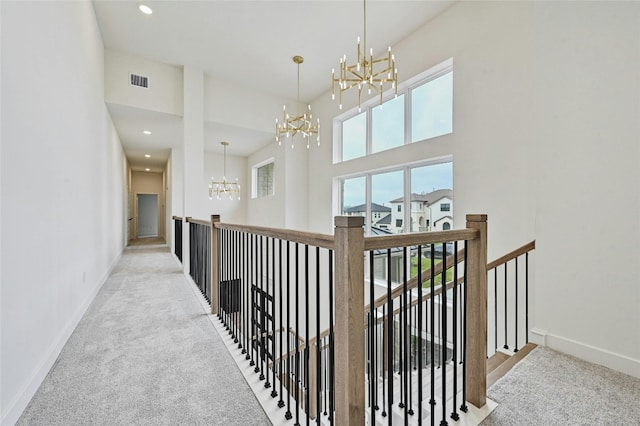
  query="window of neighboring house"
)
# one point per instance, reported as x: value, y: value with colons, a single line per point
x: 445, y: 207
x: 446, y: 226
x: 399, y: 207
x: 398, y: 223
x: 422, y: 109
x: 263, y: 179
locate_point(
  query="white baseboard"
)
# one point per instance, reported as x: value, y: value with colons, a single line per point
x: 615, y: 361
x: 20, y: 402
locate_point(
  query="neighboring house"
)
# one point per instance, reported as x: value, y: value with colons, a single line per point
x: 380, y: 215
x: 429, y: 212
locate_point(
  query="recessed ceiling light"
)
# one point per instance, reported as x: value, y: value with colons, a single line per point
x: 146, y: 132
x: 147, y: 170
x: 147, y: 155
x: 145, y: 9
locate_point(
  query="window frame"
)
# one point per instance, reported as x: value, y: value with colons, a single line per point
x: 254, y: 178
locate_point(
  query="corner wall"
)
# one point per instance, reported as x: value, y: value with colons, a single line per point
x: 546, y: 142
x: 63, y: 187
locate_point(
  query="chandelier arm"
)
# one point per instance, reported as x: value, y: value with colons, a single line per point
x: 364, y: 44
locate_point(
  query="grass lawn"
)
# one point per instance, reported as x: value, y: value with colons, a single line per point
x: 426, y: 264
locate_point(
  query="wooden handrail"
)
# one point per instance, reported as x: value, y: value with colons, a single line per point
x: 198, y: 221
x: 176, y: 217
x: 312, y: 239
x: 379, y: 242
x: 512, y: 255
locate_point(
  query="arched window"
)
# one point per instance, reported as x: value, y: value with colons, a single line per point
x: 446, y: 226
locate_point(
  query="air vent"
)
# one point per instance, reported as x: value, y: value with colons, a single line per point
x: 139, y: 80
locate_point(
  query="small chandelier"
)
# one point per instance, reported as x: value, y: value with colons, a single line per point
x: 219, y: 188
x: 302, y: 124
x: 367, y: 72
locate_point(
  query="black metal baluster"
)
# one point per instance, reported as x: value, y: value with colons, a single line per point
x: 297, y: 358
x: 409, y: 338
x: 464, y: 407
x: 372, y: 327
x: 420, y: 366
x: 261, y: 303
x: 246, y: 298
x: 288, y: 415
x: 495, y: 306
x: 526, y: 294
x: 432, y: 348
x: 318, y: 342
x: 282, y: 332
x: 265, y: 314
x: 331, y: 342
x: 454, y: 360
x: 404, y: 347
x: 254, y: 302
x: 515, y: 348
x: 443, y: 324
x: 385, y: 357
x: 506, y: 317
x: 306, y: 333
x: 236, y: 288
x: 390, y: 339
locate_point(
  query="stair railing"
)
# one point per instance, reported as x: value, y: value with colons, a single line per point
x: 289, y: 299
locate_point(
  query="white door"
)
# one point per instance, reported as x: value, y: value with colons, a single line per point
x: 147, y: 215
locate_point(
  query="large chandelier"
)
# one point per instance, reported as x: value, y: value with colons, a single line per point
x: 300, y: 123
x: 374, y: 74
x: 224, y: 187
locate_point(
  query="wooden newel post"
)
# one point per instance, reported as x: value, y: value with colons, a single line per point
x: 349, y: 327
x: 477, y: 312
x: 215, y: 277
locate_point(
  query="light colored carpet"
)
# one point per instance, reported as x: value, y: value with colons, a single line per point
x: 145, y: 353
x: 550, y: 388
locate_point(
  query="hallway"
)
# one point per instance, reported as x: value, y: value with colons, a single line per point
x: 145, y: 353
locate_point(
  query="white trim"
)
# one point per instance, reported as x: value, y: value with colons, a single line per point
x: 587, y: 352
x: 20, y: 402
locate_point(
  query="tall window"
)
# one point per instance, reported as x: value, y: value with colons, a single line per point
x: 422, y: 110
x: 263, y: 179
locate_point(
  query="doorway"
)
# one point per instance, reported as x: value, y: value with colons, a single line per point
x: 147, y: 219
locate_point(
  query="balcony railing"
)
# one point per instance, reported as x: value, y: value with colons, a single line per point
x: 346, y: 329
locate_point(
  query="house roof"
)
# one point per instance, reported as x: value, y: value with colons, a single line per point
x: 385, y: 220
x: 442, y: 218
x: 429, y: 198
x: 374, y: 208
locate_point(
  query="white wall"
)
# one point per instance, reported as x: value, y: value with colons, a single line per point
x: 287, y: 208
x: 63, y: 188
x: 587, y: 158
x: 165, y: 91
x: 546, y: 125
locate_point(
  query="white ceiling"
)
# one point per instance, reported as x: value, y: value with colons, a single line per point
x: 248, y: 43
